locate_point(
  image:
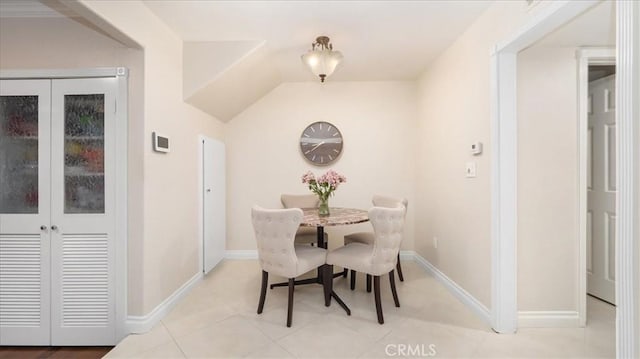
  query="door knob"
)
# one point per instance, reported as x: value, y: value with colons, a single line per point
x: 54, y: 227
x: 43, y: 228
x: 208, y: 189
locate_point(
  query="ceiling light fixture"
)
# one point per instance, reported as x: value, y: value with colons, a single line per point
x: 321, y: 59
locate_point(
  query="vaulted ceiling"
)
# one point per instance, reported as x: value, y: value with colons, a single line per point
x: 380, y: 40
x: 237, y: 51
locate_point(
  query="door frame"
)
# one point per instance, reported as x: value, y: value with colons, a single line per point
x: 504, y: 167
x: 121, y: 132
x: 586, y: 57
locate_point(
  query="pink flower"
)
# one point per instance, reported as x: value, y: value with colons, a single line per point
x: 308, y: 177
x: 325, y: 184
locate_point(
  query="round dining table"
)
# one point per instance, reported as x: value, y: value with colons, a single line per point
x: 337, y: 217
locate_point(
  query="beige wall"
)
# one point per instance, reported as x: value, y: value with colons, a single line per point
x: 61, y: 43
x: 170, y: 194
x: 454, y: 104
x: 377, y: 121
x: 547, y: 179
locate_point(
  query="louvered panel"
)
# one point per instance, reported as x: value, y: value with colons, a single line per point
x: 85, y: 281
x: 20, y: 277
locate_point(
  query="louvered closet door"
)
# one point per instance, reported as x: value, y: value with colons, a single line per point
x: 24, y: 208
x: 83, y: 211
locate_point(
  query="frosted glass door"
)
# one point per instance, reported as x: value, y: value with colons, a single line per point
x: 83, y: 211
x: 84, y: 153
x: 19, y: 148
x: 25, y: 212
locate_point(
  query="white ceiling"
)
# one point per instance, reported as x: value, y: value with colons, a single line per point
x: 380, y: 40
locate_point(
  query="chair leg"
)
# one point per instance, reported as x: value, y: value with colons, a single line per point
x: 376, y: 293
x: 263, y: 291
x: 327, y: 278
x: 399, y: 268
x: 290, y: 305
x: 392, y: 281
x: 345, y: 271
x: 353, y: 279
x: 368, y: 283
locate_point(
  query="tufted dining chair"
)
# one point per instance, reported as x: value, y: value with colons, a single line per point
x: 274, y: 231
x: 304, y: 235
x: 367, y: 237
x: 379, y: 258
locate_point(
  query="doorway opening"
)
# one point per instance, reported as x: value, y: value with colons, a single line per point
x: 601, y: 191
x: 597, y: 182
x: 601, y: 183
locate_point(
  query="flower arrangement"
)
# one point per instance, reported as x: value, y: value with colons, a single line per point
x: 324, y: 186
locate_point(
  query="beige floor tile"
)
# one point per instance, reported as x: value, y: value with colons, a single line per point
x: 273, y: 322
x: 326, y: 339
x: 169, y: 350
x: 181, y: 325
x: 529, y: 344
x: 271, y: 350
x: 135, y: 344
x: 445, y: 340
x: 451, y: 312
x: 231, y: 338
x: 600, y: 338
x: 364, y: 325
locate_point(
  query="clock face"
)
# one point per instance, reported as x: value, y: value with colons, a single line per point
x: 321, y: 143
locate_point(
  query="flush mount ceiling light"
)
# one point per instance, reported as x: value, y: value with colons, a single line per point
x: 321, y: 59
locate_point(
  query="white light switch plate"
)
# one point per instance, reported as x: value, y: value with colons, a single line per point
x: 470, y: 169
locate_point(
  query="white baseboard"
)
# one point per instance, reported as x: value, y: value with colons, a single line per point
x: 465, y: 297
x: 144, y: 323
x: 408, y: 255
x: 241, y: 254
x: 548, y: 319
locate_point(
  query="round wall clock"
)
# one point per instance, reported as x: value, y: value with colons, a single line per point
x: 321, y: 143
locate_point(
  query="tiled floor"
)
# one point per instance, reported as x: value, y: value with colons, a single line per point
x: 218, y: 319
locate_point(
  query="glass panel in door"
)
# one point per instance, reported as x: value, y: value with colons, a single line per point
x: 84, y: 153
x: 18, y: 154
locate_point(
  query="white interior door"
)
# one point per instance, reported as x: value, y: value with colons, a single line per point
x: 83, y: 211
x: 214, y: 202
x: 25, y: 112
x: 601, y: 182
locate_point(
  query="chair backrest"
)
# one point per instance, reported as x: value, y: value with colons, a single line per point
x: 300, y: 200
x: 388, y: 202
x: 275, y: 230
x: 388, y: 228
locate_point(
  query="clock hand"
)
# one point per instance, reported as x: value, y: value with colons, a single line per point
x: 314, y: 147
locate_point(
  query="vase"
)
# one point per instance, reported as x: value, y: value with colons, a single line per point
x: 323, y: 207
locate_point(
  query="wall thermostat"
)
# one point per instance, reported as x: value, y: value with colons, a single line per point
x: 160, y: 142
x: 476, y: 148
